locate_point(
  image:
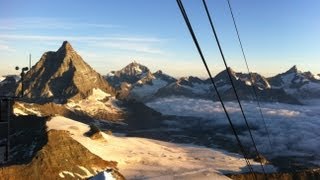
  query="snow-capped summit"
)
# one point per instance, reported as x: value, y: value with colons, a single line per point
x: 132, y: 69
x: 62, y: 75
x: 132, y: 73
x: 298, y: 83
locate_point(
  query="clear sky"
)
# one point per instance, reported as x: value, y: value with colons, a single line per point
x: 276, y: 34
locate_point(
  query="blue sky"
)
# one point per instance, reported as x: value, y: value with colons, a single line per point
x: 110, y: 34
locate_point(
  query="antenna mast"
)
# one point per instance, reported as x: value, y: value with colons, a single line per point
x: 30, y: 61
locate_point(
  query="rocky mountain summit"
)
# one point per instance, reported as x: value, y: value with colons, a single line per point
x: 62, y: 75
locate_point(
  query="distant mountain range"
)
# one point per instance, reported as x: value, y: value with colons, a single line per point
x: 135, y: 81
x: 63, y: 75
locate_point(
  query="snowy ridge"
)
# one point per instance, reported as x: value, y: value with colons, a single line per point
x: 148, y: 159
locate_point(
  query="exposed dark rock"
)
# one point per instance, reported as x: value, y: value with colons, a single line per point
x: 94, y: 133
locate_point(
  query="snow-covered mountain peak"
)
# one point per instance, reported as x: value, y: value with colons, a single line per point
x: 133, y: 69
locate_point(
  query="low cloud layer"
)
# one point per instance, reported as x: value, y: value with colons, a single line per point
x: 294, y: 130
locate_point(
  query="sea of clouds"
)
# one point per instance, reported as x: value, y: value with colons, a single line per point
x: 294, y: 130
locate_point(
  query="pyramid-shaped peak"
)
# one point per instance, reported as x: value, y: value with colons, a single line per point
x: 65, y: 47
x: 62, y: 75
x: 293, y: 69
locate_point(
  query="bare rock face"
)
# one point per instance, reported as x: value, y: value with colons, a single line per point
x: 62, y: 75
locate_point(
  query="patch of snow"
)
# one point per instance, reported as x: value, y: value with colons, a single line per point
x: 22, y: 110
x: 248, y: 82
x: 137, y: 69
x: 49, y: 94
x: 19, y: 112
x: 2, y: 78
x: 110, y: 74
x: 98, y: 94
x: 103, y: 176
x: 140, y: 158
x: 61, y: 174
